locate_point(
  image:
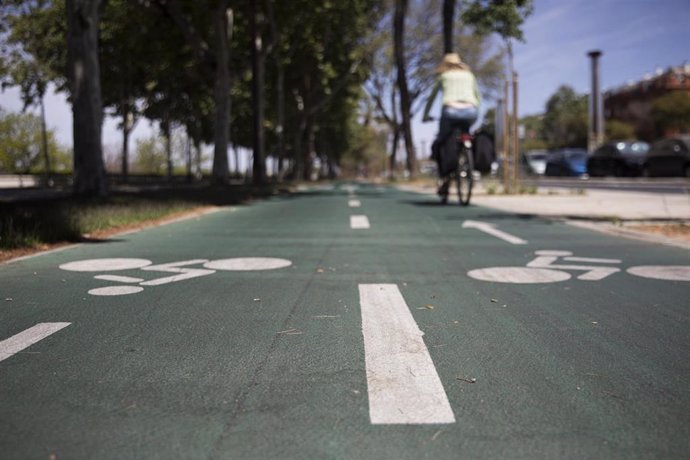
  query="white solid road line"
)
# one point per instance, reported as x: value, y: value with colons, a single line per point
x: 491, y: 230
x: 359, y: 222
x: 354, y: 203
x: 402, y: 382
x: 25, y: 339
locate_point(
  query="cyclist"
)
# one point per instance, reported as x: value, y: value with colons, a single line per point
x: 460, y: 109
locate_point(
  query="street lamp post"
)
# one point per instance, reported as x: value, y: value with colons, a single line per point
x: 596, y: 113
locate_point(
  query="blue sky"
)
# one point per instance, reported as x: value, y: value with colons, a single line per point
x: 636, y: 37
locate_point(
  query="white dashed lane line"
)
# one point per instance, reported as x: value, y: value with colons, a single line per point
x: 354, y: 203
x: 359, y: 222
x: 25, y: 339
x: 402, y: 382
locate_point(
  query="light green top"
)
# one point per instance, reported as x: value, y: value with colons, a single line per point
x: 458, y: 86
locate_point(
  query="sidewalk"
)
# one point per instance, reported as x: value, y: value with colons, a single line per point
x: 658, y: 217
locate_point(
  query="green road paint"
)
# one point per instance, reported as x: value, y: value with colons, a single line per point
x: 252, y: 362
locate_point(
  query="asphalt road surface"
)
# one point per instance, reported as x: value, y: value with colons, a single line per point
x: 350, y: 321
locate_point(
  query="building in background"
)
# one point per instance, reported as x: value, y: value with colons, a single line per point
x: 632, y: 103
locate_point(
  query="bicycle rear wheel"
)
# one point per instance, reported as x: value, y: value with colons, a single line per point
x: 464, y: 176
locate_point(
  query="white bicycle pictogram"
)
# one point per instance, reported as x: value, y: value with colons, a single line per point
x: 180, y: 270
x: 552, y: 266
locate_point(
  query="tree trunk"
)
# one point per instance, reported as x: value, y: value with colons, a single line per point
x: 258, y: 100
x: 280, y: 130
x: 44, y: 140
x: 309, y: 149
x: 448, y: 14
x: 85, y: 88
x: 221, y: 95
x: 188, y: 155
x: 405, y: 102
x: 126, y: 129
x: 167, y: 133
x: 394, y: 151
x: 197, y: 149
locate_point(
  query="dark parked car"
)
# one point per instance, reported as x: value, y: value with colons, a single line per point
x: 668, y: 157
x: 566, y: 162
x: 618, y: 158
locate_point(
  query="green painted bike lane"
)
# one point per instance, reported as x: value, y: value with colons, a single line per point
x: 270, y: 364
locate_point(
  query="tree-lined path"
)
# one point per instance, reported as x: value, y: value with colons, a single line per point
x: 347, y: 321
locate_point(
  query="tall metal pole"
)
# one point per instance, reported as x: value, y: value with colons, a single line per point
x: 596, y: 115
x: 516, y: 140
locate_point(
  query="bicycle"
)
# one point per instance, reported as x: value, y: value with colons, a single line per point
x: 457, y: 150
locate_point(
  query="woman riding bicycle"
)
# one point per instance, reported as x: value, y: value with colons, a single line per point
x: 460, y: 110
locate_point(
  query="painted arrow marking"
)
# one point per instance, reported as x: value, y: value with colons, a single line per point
x: 492, y: 230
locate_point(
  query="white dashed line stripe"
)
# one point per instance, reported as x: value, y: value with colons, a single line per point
x: 359, y: 222
x: 25, y: 339
x: 402, y: 382
x: 354, y: 203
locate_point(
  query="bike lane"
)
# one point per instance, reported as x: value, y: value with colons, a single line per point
x: 271, y: 363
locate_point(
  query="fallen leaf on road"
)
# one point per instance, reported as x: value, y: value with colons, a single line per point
x: 319, y: 270
x: 292, y: 331
x: 494, y: 300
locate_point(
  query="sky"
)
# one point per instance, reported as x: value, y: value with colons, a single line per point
x: 636, y: 37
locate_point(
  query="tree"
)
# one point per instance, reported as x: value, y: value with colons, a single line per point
x: 405, y: 101
x: 22, y: 141
x: 448, y: 21
x: 671, y: 112
x: 503, y: 17
x: 26, y: 62
x: 151, y: 156
x: 85, y: 89
x: 616, y: 129
x: 213, y: 61
x: 565, y: 119
x: 533, y: 126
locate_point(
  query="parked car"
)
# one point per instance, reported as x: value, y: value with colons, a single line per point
x: 566, y: 162
x: 668, y: 157
x: 617, y: 158
x: 535, y: 161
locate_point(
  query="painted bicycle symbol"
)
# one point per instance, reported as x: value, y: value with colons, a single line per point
x: 553, y: 266
x: 180, y: 270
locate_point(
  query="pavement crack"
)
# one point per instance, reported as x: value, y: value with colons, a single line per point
x: 241, y: 396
